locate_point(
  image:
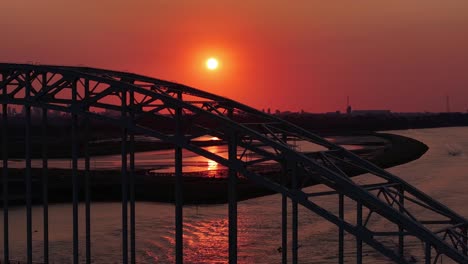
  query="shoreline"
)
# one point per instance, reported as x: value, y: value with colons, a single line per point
x: 105, y: 184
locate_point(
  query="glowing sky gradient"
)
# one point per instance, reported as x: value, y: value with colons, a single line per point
x: 289, y: 55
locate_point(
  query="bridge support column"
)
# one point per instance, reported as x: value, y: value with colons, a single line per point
x: 465, y: 241
x: 6, y: 249
x: 427, y: 253
x: 124, y: 179
x: 284, y: 217
x: 179, y: 187
x: 284, y: 228
x: 341, y: 229
x: 401, y: 237
x: 295, y: 212
x: 45, y: 186
x: 284, y: 211
x: 358, y: 239
x: 132, y: 182
x: 28, y: 170
x: 232, y: 196
x: 75, y: 142
x: 87, y: 179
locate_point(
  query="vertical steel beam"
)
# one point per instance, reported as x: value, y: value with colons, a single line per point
x: 401, y: 237
x: 284, y: 228
x: 28, y: 169
x: 178, y: 186
x: 284, y: 213
x: 465, y: 241
x: 341, y: 229
x: 6, y: 249
x: 132, y: 182
x: 45, y: 185
x: 124, y: 178
x: 295, y: 212
x: 427, y: 253
x: 358, y: 239
x: 75, y: 142
x: 87, y: 176
x: 232, y: 195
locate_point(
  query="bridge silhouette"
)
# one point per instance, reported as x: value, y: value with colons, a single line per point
x: 257, y: 138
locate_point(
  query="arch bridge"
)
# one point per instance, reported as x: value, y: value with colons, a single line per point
x: 256, y: 138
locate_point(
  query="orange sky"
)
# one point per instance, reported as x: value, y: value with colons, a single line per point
x: 289, y: 55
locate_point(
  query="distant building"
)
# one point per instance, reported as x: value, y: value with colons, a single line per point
x: 370, y: 112
x: 337, y: 112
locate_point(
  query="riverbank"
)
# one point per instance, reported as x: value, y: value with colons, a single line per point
x: 199, y: 188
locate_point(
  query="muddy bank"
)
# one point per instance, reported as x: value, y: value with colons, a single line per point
x: 198, y: 188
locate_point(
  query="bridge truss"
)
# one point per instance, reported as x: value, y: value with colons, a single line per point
x: 256, y: 138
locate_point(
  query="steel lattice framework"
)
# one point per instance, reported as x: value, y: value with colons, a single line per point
x: 263, y: 139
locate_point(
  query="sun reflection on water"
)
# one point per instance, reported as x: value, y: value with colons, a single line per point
x: 212, y: 165
x: 206, y: 241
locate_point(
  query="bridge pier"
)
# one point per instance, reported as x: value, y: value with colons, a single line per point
x: 124, y: 178
x: 358, y: 239
x: 232, y: 195
x: 6, y: 249
x: 179, y: 244
x: 295, y: 212
x: 45, y: 186
x: 87, y: 176
x: 284, y: 219
x: 284, y: 207
x: 132, y: 182
x: 401, y: 237
x: 465, y: 241
x: 341, y: 229
x: 75, y: 142
x: 427, y: 253
x: 28, y: 179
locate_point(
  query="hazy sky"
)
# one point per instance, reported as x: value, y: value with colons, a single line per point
x: 289, y: 55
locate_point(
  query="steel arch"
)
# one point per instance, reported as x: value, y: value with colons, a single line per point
x: 80, y: 91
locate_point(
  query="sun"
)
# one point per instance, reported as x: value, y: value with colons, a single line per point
x: 212, y: 64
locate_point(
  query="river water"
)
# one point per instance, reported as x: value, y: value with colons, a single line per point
x: 442, y: 173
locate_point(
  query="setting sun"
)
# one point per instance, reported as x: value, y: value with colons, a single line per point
x: 212, y: 64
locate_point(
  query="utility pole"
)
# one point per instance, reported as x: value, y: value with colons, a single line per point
x: 348, y: 107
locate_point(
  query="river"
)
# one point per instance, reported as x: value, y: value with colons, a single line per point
x: 442, y: 173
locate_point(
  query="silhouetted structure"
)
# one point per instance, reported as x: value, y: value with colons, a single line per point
x: 132, y: 98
